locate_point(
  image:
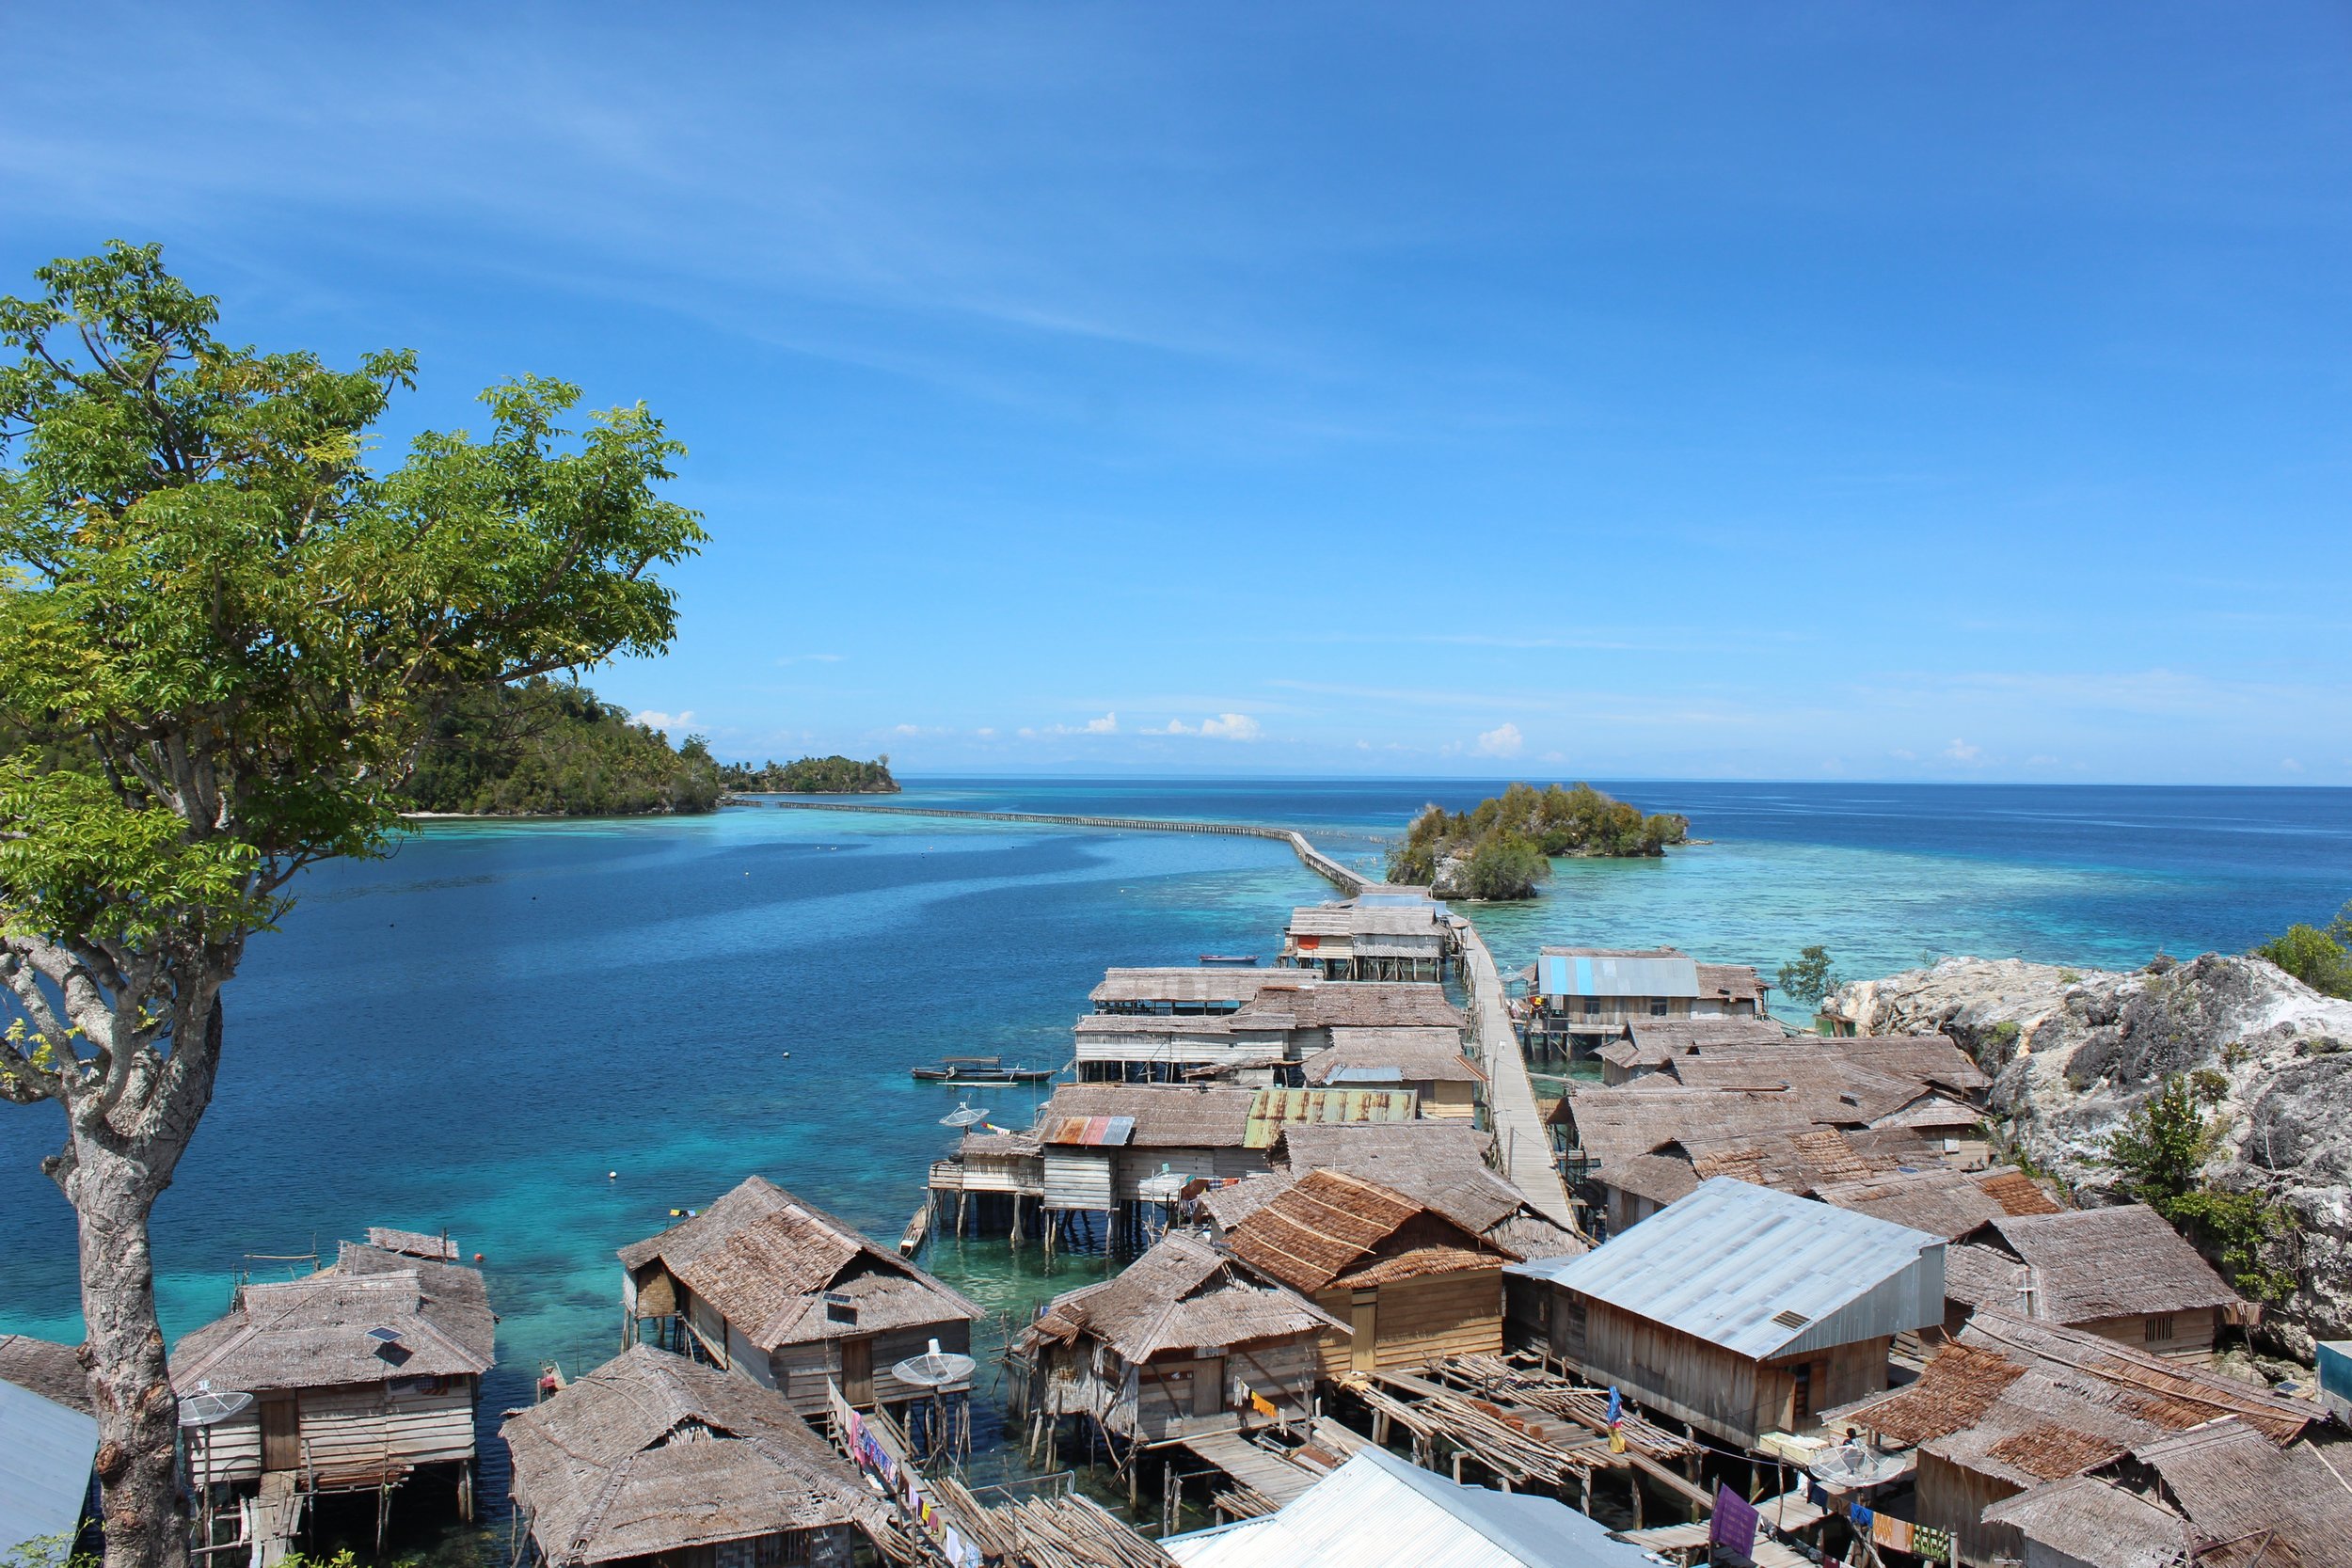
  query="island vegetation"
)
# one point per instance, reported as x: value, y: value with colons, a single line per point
x: 2321, y: 957
x: 1504, y: 847
x: 833, y: 775
x: 548, y: 748
x: 208, y: 586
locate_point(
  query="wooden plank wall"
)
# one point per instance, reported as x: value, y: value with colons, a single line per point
x: 349, y: 1430
x: 1417, y: 1321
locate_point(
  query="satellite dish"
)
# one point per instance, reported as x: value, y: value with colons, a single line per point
x: 1849, y: 1464
x: 209, y: 1409
x: 933, y: 1369
x: 964, y: 1116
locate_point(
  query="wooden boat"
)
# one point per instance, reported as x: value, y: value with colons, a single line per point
x: 1229, y: 960
x: 981, y: 1070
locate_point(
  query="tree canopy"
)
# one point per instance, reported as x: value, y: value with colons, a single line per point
x: 224, y: 639
x: 2321, y: 958
x: 1506, y: 842
x: 547, y: 748
x: 833, y: 775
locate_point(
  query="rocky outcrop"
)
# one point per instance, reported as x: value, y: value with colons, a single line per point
x: 2071, y: 1051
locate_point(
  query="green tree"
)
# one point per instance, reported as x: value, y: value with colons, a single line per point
x: 2159, y: 1156
x: 1505, y: 866
x: 1807, y: 978
x: 2317, y: 958
x: 235, y: 634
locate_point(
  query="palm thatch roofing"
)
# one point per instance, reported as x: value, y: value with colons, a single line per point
x: 1731, y: 982
x: 413, y: 1243
x: 1938, y: 1199
x: 1183, y: 1294
x: 1406, y: 1055
x: 2028, y: 1402
x: 1203, y: 985
x: 1438, y: 1164
x: 1350, y: 920
x: 766, y: 1261
x: 2219, y: 1494
x: 1314, y: 1003
x: 1329, y: 1228
x: 2091, y: 1263
x: 370, y: 1316
x: 652, y: 1453
x: 1803, y: 1162
x: 46, y: 1368
x: 1657, y: 1038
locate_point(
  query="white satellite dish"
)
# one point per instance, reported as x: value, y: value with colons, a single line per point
x: 208, y: 1409
x: 934, y: 1369
x: 965, y: 1116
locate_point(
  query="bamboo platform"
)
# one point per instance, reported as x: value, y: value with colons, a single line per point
x: 1262, y: 1480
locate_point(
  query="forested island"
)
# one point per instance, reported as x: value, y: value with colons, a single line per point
x: 1504, y: 847
x: 833, y: 775
x: 546, y: 747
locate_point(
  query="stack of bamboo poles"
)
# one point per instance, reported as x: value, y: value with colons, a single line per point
x: 1069, y: 1532
x: 1507, y: 1445
x: 1497, y: 1379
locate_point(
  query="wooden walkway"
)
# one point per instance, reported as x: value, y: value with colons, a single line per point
x: 1268, y: 1475
x: 1349, y: 882
x: 1522, y: 1142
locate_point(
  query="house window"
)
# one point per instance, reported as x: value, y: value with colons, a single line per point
x: 1657, y: 1008
x: 2156, y: 1327
x: 1804, y: 1393
x: 1591, y: 1006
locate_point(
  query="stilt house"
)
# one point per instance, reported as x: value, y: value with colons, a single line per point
x: 2123, y: 1273
x: 1587, y: 995
x: 1381, y: 935
x: 1740, y: 1309
x: 1412, y: 1284
x: 362, y: 1374
x: 1427, y: 1061
x: 2013, y: 1404
x: 1187, y: 1338
x: 654, y: 1460
x: 764, y: 1284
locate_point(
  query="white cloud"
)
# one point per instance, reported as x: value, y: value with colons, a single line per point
x: 812, y: 658
x: 2289, y: 764
x: 1504, y: 740
x: 1224, y: 726
x: 906, y: 729
x: 1960, y: 750
x: 985, y: 733
x: 1903, y: 753
x: 1108, y: 724
x: 654, y: 719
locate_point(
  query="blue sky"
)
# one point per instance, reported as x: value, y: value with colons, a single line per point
x: 1794, y: 391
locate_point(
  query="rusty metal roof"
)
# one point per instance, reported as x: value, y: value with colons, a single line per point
x: 1274, y: 1109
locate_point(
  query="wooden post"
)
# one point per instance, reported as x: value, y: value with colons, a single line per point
x: 1634, y: 1477
x: 1585, y: 1489
x: 1016, y: 1222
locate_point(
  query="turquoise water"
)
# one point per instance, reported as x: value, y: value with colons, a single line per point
x: 473, y: 1032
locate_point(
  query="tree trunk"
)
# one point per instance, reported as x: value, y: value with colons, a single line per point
x: 146, y: 1522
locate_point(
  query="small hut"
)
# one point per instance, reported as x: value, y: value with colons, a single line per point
x: 771, y: 1287
x: 1412, y: 1284
x: 1427, y: 1061
x: 1740, y: 1309
x: 2123, y: 1273
x: 653, y: 1460
x: 1187, y: 1338
x: 362, y: 1374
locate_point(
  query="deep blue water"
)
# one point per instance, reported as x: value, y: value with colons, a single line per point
x: 473, y: 1032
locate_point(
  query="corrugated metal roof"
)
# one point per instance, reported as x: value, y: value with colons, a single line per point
x: 1091, y: 1131
x: 45, y: 1455
x: 1274, y: 1109
x: 1762, y: 1272
x: 1580, y: 975
x: 1376, y: 1508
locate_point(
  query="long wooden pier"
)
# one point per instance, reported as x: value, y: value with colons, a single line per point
x: 1349, y: 882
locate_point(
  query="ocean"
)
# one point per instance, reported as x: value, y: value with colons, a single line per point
x: 544, y: 1037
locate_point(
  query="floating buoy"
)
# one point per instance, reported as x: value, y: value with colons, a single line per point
x: 612, y: 1175
x: 787, y: 1056
x: 477, y: 1257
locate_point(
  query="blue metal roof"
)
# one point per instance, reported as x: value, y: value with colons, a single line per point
x: 1560, y: 974
x: 1761, y: 1272
x: 46, y: 1451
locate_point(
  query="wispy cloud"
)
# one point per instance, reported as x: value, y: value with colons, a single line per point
x: 1108, y: 724
x: 1224, y: 726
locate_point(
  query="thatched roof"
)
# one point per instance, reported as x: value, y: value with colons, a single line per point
x: 1441, y: 1165
x: 1647, y: 1116
x: 1350, y: 920
x: 1651, y: 1040
x: 2017, y: 1192
x: 766, y: 1261
x: 1940, y: 1200
x: 324, y: 1329
x: 2092, y: 1264
x: 1803, y: 1161
x: 46, y: 1368
x: 2222, y: 1491
x: 1407, y: 1055
x: 1332, y: 1229
x: 1314, y: 1004
x: 652, y: 1453
x: 413, y: 1243
x: 1192, y: 987
x: 1731, y: 982
x: 1181, y: 1295
x: 2030, y: 1403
